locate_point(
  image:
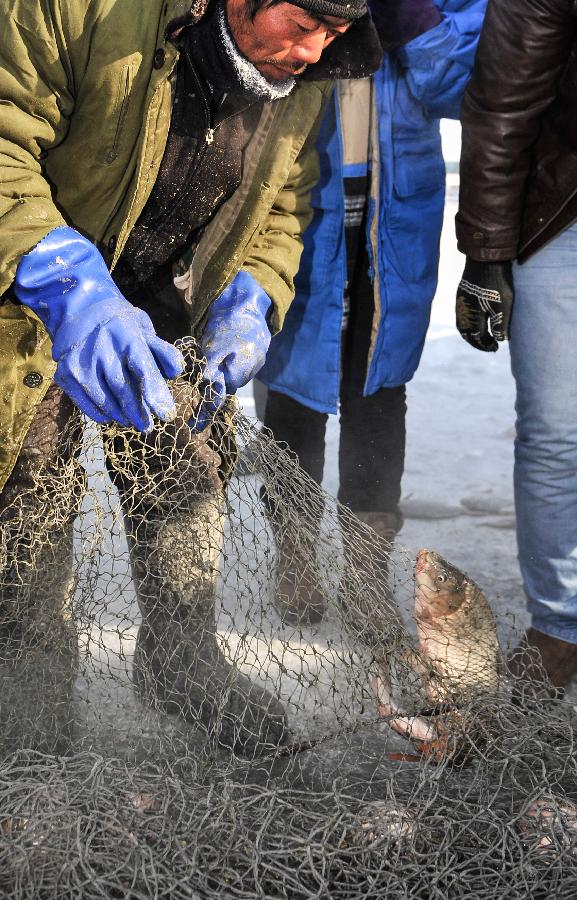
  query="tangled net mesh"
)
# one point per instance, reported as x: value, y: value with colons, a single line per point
x: 164, y: 732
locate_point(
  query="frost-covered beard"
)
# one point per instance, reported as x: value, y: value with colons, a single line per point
x: 248, y: 75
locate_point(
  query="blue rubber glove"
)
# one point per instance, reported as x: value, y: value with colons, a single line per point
x: 110, y: 361
x: 235, y: 343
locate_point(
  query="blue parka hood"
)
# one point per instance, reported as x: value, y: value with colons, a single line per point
x: 421, y: 83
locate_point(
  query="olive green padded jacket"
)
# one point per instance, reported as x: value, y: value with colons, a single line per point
x: 85, y: 104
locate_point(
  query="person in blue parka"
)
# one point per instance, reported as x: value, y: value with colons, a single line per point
x: 354, y: 334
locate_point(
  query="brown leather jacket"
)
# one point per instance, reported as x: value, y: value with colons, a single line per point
x: 519, y: 157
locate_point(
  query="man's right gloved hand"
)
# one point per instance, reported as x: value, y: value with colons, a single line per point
x: 110, y: 361
x: 484, y: 301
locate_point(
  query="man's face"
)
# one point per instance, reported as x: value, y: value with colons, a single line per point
x: 281, y: 40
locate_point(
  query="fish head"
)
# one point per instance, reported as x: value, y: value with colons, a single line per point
x: 456, y: 629
x: 440, y: 588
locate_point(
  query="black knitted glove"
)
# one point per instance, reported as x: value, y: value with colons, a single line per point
x: 485, y: 299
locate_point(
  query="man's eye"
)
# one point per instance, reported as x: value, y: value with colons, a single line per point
x: 304, y: 29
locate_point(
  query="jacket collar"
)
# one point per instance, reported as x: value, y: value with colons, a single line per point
x: 357, y: 54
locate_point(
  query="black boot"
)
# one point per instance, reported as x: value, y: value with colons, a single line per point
x: 183, y: 672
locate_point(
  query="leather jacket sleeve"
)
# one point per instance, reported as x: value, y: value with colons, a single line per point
x: 524, y: 48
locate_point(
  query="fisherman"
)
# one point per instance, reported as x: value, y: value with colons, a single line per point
x: 516, y: 225
x: 354, y: 335
x: 155, y: 172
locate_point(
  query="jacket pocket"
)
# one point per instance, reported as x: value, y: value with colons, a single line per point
x: 119, y: 110
x: 418, y: 174
x: 410, y: 241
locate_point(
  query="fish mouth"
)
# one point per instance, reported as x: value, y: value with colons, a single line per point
x: 421, y: 562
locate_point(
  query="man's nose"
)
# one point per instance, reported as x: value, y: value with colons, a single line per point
x: 309, y: 49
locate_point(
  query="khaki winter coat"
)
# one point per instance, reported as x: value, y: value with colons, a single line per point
x: 85, y: 103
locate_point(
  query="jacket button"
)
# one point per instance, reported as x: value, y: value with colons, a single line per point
x: 159, y: 58
x: 478, y: 236
x: 112, y: 243
x: 33, y: 379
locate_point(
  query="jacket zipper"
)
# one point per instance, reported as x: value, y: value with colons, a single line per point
x: 123, y: 92
x: 373, y: 227
x: 209, y: 134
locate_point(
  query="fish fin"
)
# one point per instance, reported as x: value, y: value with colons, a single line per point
x: 418, y: 664
x: 414, y: 728
x: 383, y: 692
x: 404, y: 757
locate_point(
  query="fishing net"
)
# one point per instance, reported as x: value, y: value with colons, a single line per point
x: 223, y: 687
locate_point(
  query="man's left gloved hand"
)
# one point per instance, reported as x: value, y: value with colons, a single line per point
x: 400, y: 21
x: 485, y: 299
x: 235, y: 343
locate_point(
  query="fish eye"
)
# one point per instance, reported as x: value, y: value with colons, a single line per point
x: 440, y: 579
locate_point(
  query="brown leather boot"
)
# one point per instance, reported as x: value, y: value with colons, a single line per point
x: 385, y: 524
x: 544, y: 661
x: 298, y: 598
x: 365, y: 586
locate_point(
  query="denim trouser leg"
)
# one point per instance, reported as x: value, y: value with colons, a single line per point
x: 544, y: 365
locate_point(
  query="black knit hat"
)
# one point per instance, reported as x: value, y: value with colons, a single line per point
x: 342, y: 9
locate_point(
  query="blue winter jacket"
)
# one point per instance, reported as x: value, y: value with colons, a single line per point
x: 423, y: 82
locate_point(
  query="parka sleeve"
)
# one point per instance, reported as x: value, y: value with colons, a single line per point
x: 35, y: 106
x: 524, y: 48
x: 274, y: 255
x: 437, y: 65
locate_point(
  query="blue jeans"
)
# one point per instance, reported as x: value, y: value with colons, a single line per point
x: 544, y: 364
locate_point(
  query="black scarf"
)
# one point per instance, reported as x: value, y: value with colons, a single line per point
x: 211, y: 124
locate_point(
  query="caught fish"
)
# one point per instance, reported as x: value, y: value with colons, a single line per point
x: 457, y: 658
x: 548, y: 826
x: 145, y: 802
x: 386, y: 823
x: 27, y: 832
